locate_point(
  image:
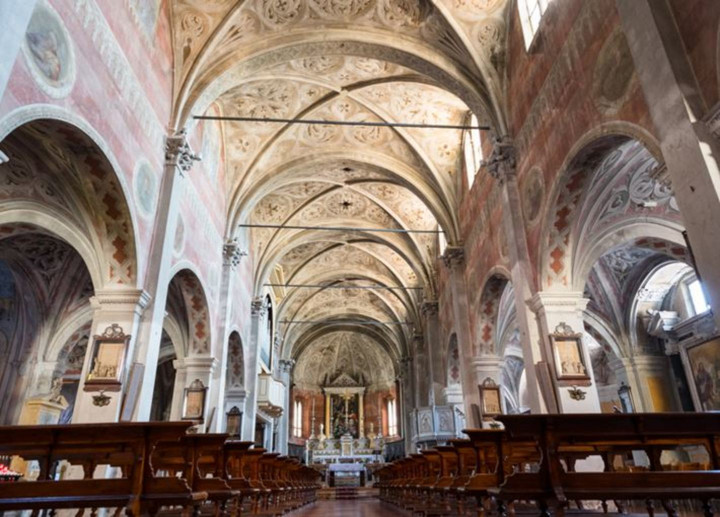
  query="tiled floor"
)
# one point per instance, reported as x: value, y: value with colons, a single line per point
x: 357, y: 508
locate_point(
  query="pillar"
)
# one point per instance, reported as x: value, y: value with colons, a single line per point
x: 678, y: 111
x: 361, y: 414
x: 434, y: 350
x: 258, y: 312
x: 14, y: 19
x: 404, y: 406
x: 121, y: 307
x: 487, y: 366
x: 554, y: 310
x: 328, y: 408
x: 232, y: 255
x: 422, y: 379
x: 178, y: 162
x: 285, y: 367
x: 454, y: 259
x: 502, y: 166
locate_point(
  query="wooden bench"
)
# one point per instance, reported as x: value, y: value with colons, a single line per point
x: 563, y: 439
x: 126, y: 447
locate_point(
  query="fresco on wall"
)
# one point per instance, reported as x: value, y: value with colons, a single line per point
x: 705, y: 366
x: 48, y: 50
x: 145, y: 189
x: 146, y: 15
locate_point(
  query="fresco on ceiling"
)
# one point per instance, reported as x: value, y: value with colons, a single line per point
x: 146, y: 15
x: 145, y: 189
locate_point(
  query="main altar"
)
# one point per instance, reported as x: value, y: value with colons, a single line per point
x: 346, y: 452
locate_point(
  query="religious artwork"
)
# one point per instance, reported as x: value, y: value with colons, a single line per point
x: 194, y: 403
x: 108, y: 360
x: 568, y: 355
x: 705, y: 366
x: 344, y: 415
x: 490, y: 399
x: 533, y: 193
x: 49, y: 52
x: 145, y: 185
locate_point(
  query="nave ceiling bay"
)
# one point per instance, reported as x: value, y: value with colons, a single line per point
x: 394, y: 61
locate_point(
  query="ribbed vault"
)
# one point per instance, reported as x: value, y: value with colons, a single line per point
x: 394, y: 61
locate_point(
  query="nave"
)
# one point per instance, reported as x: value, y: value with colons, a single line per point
x: 434, y: 257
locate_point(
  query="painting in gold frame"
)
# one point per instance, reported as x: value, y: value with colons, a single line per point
x: 194, y: 401
x: 490, y: 402
x: 107, y: 360
x: 704, y: 361
x: 568, y: 354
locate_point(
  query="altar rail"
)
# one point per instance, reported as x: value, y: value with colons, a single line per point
x: 559, y: 461
x: 145, y: 467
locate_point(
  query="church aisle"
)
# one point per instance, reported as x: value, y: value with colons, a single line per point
x: 354, y: 508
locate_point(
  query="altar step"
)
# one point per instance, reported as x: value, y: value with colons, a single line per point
x: 345, y: 493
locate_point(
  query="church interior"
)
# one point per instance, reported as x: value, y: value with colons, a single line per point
x: 360, y: 257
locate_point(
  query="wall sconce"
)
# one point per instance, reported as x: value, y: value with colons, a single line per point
x: 234, y: 422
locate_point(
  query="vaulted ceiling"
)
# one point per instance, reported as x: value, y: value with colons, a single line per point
x: 408, y: 61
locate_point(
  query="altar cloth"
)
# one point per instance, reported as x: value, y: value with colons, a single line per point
x: 346, y: 467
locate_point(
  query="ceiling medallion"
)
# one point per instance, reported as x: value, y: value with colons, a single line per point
x: 345, y: 204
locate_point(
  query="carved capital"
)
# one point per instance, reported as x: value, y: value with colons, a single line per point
x: 503, y: 159
x: 258, y: 307
x: 454, y: 256
x: 232, y: 254
x: 429, y: 308
x: 286, y: 365
x: 179, y: 153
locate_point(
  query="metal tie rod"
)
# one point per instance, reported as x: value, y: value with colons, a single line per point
x: 334, y: 286
x: 364, y: 322
x: 335, y: 228
x: 339, y: 122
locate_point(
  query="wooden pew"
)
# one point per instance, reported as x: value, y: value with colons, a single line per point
x: 237, y: 474
x: 197, y: 458
x: 559, y: 437
x: 127, y: 446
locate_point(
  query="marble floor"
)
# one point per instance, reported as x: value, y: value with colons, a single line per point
x: 352, y: 508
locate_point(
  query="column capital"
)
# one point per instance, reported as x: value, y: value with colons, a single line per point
x: 503, y: 160
x: 286, y: 365
x: 232, y: 254
x: 258, y: 307
x: 120, y: 300
x: 454, y: 256
x: 178, y: 152
x: 429, y: 308
x: 561, y: 301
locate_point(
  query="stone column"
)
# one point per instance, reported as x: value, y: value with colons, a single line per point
x: 434, y: 350
x: 679, y: 112
x: 328, y: 408
x: 178, y: 162
x: 553, y: 311
x: 650, y: 380
x: 361, y: 415
x: 421, y: 372
x: 232, y: 255
x: 14, y: 19
x: 405, y: 381
x: 285, y: 366
x: 257, y: 325
x: 501, y: 166
x: 122, y: 307
x: 454, y: 259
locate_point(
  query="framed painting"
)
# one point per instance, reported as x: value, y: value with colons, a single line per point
x: 490, y: 404
x: 704, y: 363
x: 107, y: 361
x: 568, y: 354
x: 194, y: 401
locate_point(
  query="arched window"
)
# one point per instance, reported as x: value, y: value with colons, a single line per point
x: 531, y: 12
x: 472, y: 149
x: 694, y: 295
x: 297, y: 418
x: 392, y: 417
